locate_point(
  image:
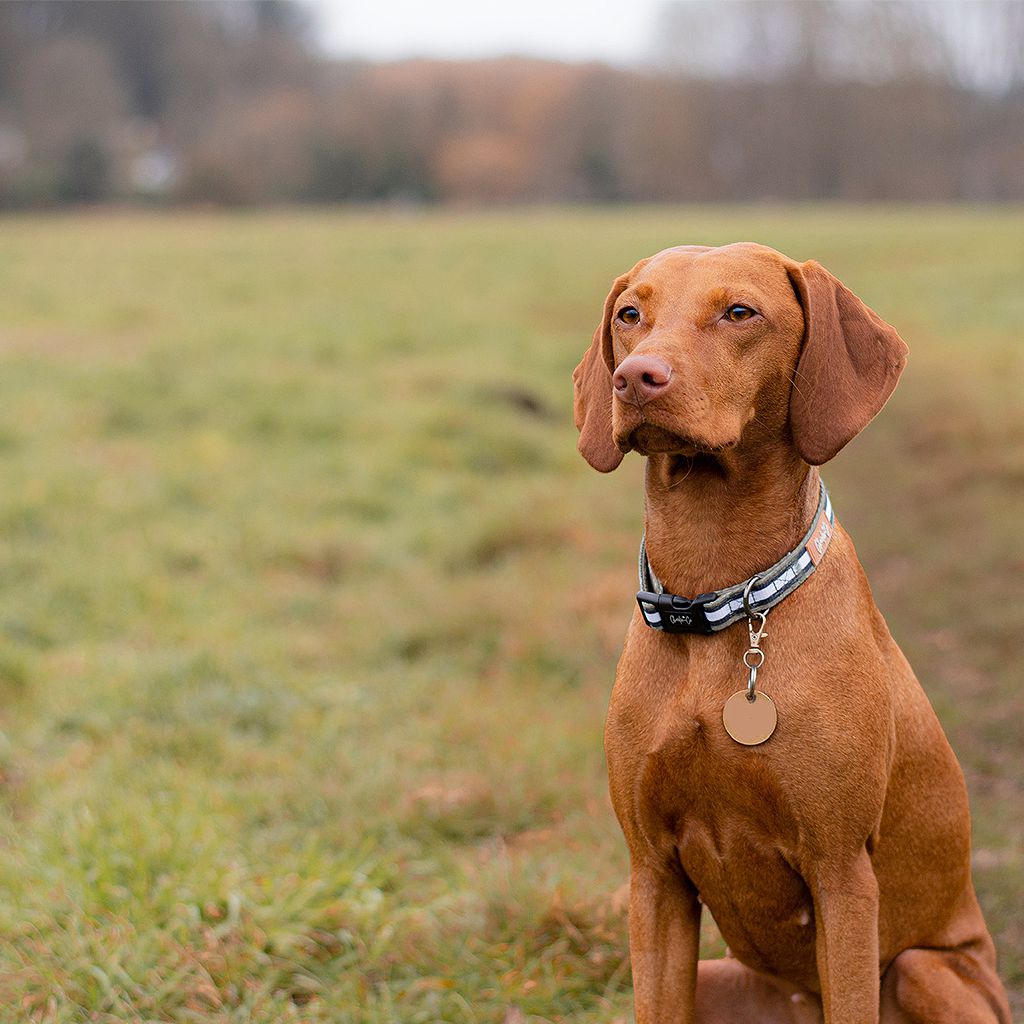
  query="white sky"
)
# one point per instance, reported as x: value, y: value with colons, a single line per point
x: 385, y: 29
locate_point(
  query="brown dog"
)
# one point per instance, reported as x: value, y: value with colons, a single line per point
x: 834, y: 855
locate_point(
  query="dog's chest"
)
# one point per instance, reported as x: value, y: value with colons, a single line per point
x: 735, y: 832
x: 692, y: 770
x: 730, y: 817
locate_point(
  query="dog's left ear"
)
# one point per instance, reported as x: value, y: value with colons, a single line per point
x: 592, y: 390
x: 849, y: 364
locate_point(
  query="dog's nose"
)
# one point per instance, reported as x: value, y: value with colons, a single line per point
x: 639, y: 378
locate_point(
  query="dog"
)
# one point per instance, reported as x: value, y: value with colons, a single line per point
x: 791, y: 775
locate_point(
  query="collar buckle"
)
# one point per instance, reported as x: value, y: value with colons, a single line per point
x: 674, y: 614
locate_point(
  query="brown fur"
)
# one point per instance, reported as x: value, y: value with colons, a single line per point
x: 835, y: 857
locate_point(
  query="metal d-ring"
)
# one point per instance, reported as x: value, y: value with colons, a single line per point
x: 752, y: 667
x: 754, y: 651
x: 746, y: 597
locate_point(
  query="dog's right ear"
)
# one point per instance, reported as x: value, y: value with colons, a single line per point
x: 592, y: 390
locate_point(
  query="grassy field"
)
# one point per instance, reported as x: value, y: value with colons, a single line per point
x: 310, y: 609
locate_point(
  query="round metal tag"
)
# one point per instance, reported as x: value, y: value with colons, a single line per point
x: 749, y: 721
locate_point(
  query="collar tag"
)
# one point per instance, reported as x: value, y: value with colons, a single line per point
x: 820, y: 539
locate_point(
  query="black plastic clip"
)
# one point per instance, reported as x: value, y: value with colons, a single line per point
x: 675, y: 614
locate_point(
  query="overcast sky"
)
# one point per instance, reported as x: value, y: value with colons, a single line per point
x: 386, y: 29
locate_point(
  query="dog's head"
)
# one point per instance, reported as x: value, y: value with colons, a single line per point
x: 701, y: 350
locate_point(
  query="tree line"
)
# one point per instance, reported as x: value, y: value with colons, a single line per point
x: 231, y: 103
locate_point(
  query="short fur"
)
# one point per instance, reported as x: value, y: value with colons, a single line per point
x: 835, y: 857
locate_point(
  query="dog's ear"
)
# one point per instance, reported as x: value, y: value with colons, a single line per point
x: 848, y: 366
x: 592, y: 390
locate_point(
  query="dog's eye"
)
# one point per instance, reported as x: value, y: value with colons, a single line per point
x: 737, y: 313
x: 629, y: 315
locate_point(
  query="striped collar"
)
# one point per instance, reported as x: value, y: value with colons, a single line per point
x: 708, y: 613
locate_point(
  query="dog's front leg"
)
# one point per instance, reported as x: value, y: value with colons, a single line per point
x: 664, y: 941
x: 846, y: 911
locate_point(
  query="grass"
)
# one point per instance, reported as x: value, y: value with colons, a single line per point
x: 310, y: 608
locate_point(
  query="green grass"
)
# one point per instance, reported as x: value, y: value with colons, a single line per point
x: 310, y: 609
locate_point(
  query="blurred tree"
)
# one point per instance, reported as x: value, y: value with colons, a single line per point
x: 71, y: 103
x: 134, y: 33
x: 229, y: 102
x: 85, y: 174
x: 848, y: 98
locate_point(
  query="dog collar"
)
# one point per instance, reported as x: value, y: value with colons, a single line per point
x: 708, y: 613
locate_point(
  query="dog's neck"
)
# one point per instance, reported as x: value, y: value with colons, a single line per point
x: 713, y: 522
